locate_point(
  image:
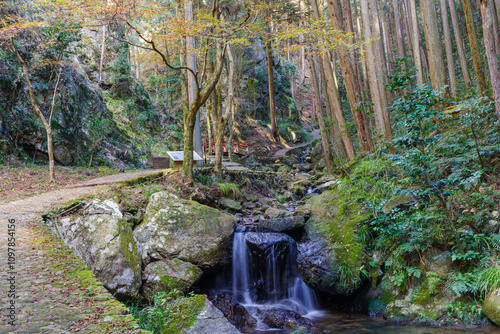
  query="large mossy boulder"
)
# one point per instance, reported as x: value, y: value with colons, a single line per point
x: 282, y: 221
x: 195, y: 315
x: 105, y: 243
x: 186, y: 230
x: 330, y: 258
x: 491, y: 306
x: 168, y: 275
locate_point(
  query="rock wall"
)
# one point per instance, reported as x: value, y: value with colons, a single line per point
x: 81, y: 117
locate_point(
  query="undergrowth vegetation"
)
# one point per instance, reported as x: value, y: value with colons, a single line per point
x: 435, y: 197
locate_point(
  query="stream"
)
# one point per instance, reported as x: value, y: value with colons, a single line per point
x: 265, y: 278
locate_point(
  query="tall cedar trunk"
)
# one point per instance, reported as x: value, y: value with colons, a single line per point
x: 433, y: 44
x: 270, y: 77
x: 359, y: 115
x: 459, y: 43
x: 488, y: 27
x: 415, y: 42
x: 330, y: 115
x: 101, y: 59
x: 223, y: 119
x: 399, y: 32
x: 210, y: 105
x: 372, y: 71
x: 319, y: 114
x: 379, y: 66
x: 218, y: 130
x: 230, y: 102
x: 302, y: 9
x: 325, y: 67
x: 192, y: 89
x: 34, y: 104
x: 407, y: 26
x: 349, y: 74
x: 491, y: 5
x: 474, y: 47
x: 449, y: 50
x: 497, y: 5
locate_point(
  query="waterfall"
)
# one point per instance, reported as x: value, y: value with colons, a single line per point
x: 275, y: 283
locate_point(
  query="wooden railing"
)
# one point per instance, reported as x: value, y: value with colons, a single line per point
x: 236, y: 148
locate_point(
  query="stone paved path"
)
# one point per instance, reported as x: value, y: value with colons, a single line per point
x: 314, y: 135
x: 55, y: 293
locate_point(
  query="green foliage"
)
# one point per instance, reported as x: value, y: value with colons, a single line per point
x: 169, y: 312
x: 465, y: 312
x: 229, y: 190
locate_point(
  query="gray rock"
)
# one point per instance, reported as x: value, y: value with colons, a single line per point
x: 491, y: 306
x: 273, y: 213
x: 282, y: 225
x: 63, y: 155
x: 166, y: 275
x: 230, y: 204
x: 186, y: 230
x: 439, y: 262
x: 306, y: 167
x: 106, y: 207
x: 210, y: 321
x: 285, y: 319
x: 106, y: 244
x: 327, y: 185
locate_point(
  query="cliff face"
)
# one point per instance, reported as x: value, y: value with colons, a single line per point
x: 81, y: 123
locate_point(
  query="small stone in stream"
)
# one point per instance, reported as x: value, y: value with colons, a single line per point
x: 235, y: 313
x: 285, y: 319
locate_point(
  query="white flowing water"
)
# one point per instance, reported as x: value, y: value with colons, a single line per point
x: 281, y: 280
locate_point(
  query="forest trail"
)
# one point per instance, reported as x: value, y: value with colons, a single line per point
x: 54, y: 291
x: 314, y: 135
x: 30, y: 208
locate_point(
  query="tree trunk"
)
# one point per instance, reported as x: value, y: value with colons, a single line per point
x: 191, y: 63
x: 491, y: 5
x: 415, y: 42
x: 332, y: 92
x: 449, y: 50
x: 459, y: 42
x: 272, y: 108
x: 433, y: 44
x: 319, y: 114
x: 103, y: 48
x: 229, y: 114
x: 349, y: 73
x: 34, y: 104
x: 399, y: 32
x: 489, y: 39
x: 379, y: 66
x: 474, y: 47
x: 372, y: 71
x: 209, y: 125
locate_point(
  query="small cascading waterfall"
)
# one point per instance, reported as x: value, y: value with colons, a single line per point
x: 241, y: 274
x: 279, y: 277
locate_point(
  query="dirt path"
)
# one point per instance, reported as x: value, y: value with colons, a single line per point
x: 314, y: 135
x: 54, y: 291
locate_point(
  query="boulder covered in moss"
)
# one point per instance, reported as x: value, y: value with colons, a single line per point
x: 186, y: 230
x: 491, y: 306
x: 168, y: 275
x: 277, y: 220
x: 196, y: 315
x: 331, y: 257
x: 106, y: 244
